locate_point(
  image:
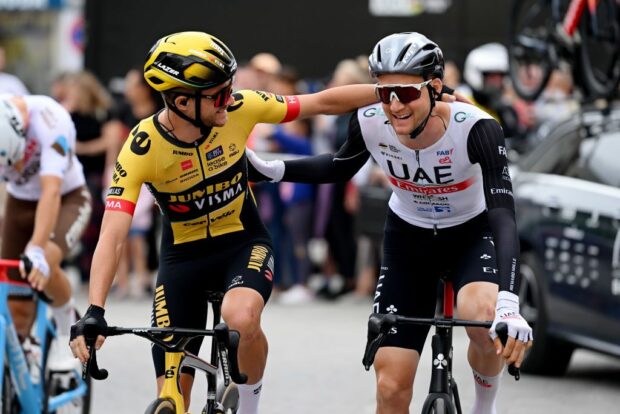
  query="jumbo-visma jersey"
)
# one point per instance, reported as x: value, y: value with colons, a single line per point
x: 202, y: 187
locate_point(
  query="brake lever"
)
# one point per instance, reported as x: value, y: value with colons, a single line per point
x: 502, y: 332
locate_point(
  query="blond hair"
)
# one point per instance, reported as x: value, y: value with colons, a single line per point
x: 93, y: 98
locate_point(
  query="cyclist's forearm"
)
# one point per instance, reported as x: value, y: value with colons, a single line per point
x: 45, y: 216
x: 107, y: 254
x: 504, y: 230
x: 338, y: 100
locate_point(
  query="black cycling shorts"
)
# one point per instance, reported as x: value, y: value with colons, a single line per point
x: 414, y: 260
x: 180, y: 299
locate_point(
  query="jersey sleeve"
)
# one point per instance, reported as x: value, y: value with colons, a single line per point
x: 329, y: 168
x: 486, y: 146
x: 265, y: 107
x: 53, y: 128
x: 129, y: 172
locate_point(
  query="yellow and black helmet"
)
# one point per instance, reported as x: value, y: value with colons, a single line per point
x: 188, y: 60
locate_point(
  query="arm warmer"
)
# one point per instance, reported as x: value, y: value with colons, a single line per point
x: 486, y: 146
x: 329, y: 168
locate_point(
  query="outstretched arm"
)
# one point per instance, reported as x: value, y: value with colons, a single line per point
x: 324, y: 168
x: 337, y: 100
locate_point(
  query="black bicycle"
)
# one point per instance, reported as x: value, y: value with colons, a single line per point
x: 583, y: 33
x: 443, y: 397
x: 222, y: 371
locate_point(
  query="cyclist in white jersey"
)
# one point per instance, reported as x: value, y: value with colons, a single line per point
x: 451, y: 214
x: 47, y: 208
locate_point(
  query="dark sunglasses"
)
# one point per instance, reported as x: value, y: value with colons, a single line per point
x: 403, y: 93
x: 220, y: 98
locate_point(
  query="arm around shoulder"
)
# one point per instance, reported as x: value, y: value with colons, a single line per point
x: 337, y: 100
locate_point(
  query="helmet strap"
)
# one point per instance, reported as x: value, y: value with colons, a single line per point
x: 197, y: 122
x: 418, y: 130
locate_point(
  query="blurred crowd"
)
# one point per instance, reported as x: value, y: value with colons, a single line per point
x: 324, y: 245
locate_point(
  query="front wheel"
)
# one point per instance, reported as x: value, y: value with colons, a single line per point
x: 230, y: 399
x: 438, y: 404
x: 161, y: 406
x: 600, y: 49
x: 9, y: 402
x: 530, y: 48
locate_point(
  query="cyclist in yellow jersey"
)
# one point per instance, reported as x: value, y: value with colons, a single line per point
x: 191, y: 155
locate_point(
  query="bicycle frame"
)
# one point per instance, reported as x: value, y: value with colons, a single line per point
x: 31, y: 394
x: 224, y: 346
x: 574, y: 13
x: 173, y: 360
x: 442, y: 383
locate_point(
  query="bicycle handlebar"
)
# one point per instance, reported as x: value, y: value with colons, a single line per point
x: 379, y: 325
x: 23, y: 259
x: 227, y: 341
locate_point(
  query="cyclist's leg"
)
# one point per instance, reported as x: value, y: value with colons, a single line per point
x: 248, y: 287
x: 16, y: 233
x: 407, y: 286
x: 476, y: 282
x: 73, y: 217
x: 179, y: 301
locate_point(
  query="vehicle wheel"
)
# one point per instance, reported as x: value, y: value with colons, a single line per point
x: 230, y: 399
x: 161, y: 406
x: 529, y: 50
x: 10, y: 404
x: 548, y: 355
x: 600, y: 52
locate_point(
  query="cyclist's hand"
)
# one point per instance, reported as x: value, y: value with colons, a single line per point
x: 93, y: 325
x: 272, y: 170
x: 40, y: 272
x: 450, y: 95
x: 519, y: 332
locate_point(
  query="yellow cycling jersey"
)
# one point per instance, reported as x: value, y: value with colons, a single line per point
x: 201, y: 188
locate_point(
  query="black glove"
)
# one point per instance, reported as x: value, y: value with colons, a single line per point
x: 91, y: 325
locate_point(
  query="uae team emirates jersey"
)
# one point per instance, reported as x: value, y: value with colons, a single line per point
x: 437, y: 186
x: 201, y: 188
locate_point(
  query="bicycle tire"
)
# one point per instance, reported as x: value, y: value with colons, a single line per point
x: 9, y: 401
x: 230, y: 399
x: 439, y: 407
x: 529, y: 51
x: 600, y: 55
x: 161, y: 406
x: 57, y: 383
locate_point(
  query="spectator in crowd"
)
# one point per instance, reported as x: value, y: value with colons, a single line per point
x: 335, y: 208
x: 10, y: 84
x: 486, y: 70
x: 452, y: 78
x: 88, y: 102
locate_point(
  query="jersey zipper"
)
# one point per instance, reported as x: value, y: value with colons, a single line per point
x: 429, y: 197
x: 204, y: 177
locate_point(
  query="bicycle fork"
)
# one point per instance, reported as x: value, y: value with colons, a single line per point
x: 170, y: 389
x: 442, y: 385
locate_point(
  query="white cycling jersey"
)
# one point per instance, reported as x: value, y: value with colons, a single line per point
x: 50, y: 150
x: 436, y: 186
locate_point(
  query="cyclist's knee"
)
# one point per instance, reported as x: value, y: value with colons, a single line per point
x: 393, y: 392
x: 245, y: 319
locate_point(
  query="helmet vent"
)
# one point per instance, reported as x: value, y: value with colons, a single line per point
x: 156, y: 80
x: 378, y: 53
x: 403, y: 52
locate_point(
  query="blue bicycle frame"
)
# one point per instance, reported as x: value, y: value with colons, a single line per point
x: 31, y: 394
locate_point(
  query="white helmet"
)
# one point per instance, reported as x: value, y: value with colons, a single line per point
x: 491, y: 57
x: 12, y: 135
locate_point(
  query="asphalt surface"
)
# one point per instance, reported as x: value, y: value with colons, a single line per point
x: 315, y: 366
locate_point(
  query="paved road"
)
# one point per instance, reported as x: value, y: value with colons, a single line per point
x: 314, y: 366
